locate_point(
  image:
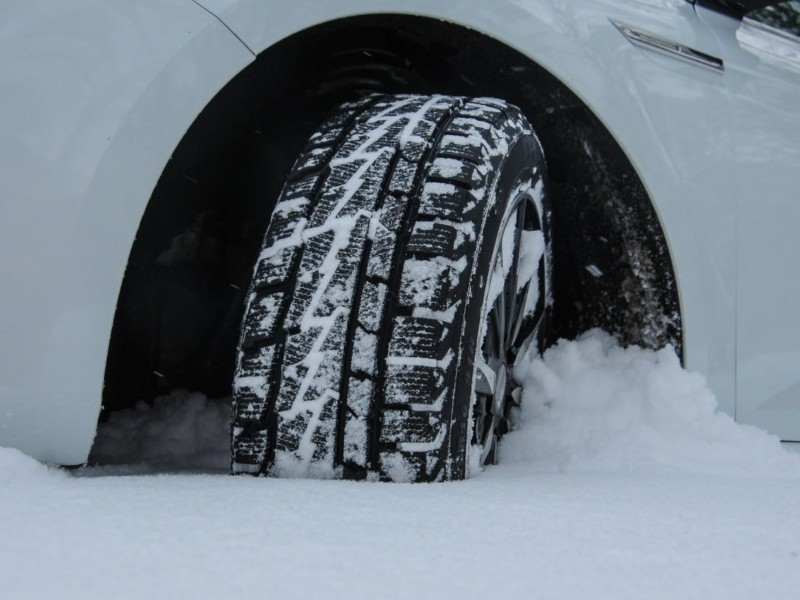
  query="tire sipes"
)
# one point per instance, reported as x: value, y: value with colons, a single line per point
x: 369, y: 300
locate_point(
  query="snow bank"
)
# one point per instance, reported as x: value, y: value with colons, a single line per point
x: 593, y: 405
x: 180, y: 431
x: 16, y: 467
x: 598, y: 496
x: 588, y: 405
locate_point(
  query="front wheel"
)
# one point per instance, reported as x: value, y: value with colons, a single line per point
x: 403, y: 274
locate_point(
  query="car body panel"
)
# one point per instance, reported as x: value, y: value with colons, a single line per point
x: 96, y: 96
x: 764, y: 98
x: 102, y: 92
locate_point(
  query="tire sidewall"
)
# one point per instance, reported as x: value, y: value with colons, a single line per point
x: 520, y: 171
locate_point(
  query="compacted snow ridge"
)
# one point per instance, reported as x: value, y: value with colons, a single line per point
x: 591, y: 405
x: 587, y: 405
x: 620, y: 481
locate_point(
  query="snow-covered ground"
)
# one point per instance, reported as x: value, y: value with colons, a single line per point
x: 620, y: 482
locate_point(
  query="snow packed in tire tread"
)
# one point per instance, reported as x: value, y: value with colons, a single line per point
x: 347, y: 358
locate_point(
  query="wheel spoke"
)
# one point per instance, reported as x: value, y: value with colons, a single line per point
x: 511, y: 323
x: 492, y: 341
x: 519, y: 319
x: 539, y: 311
x: 512, y: 282
x: 531, y: 306
x: 516, y: 396
x: 499, y: 317
x: 499, y: 404
x: 485, y: 377
x: 489, y: 441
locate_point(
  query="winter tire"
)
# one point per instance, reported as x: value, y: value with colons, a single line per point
x: 404, y: 271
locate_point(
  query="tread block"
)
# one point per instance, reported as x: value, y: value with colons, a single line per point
x: 288, y: 222
x: 298, y: 453
x: 403, y: 177
x: 365, y: 352
x: 275, y: 266
x: 372, y: 306
x: 445, y: 200
x: 252, y: 401
x: 352, y: 187
x: 334, y: 126
x: 262, y: 319
x: 482, y: 107
x: 384, y: 243
x: 484, y: 112
x: 420, y: 132
x: 468, y: 147
x: 290, y: 432
x: 254, y: 384
x: 360, y: 401
x: 434, y: 238
x: 408, y: 384
x: 360, y: 396
x: 291, y: 383
x: 356, y: 442
x: 414, y: 151
x: 333, y: 261
x: 259, y: 361
x: 313, y: 159
x: 302, y: 188
x: 404, y: 427
x: 322, y: 138
x: 392, y: 214
x: 469, y: 125
x: 312, y: 365
x: 318, y: 245
x: 418, y: 339
x: 323, y: 438
x: 250, y: 450
x: 298, y: 346
x: 431, y: 283
x: 457, y: 171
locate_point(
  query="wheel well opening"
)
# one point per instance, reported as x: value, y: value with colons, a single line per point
x: 180, y: 304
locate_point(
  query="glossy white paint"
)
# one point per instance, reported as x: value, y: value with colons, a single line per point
x: 95, y: 96
x: 97, y: 93
x: 765, y: 98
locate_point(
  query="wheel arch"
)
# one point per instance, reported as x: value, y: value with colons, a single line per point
x: 615, y: 258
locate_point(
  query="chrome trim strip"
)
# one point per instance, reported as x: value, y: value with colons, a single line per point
x: 669, y: 48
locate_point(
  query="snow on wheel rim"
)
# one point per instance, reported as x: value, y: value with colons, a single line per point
x: 511, y: 317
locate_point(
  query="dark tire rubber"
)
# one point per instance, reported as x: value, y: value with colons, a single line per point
x: 364, y: 313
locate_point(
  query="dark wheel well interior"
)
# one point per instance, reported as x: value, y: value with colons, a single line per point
x: 180, y: 304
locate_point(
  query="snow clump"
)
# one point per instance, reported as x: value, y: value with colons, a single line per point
x: 592, y: 405
x: 16, y: 467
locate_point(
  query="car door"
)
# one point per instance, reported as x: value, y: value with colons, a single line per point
x: 761, y: 53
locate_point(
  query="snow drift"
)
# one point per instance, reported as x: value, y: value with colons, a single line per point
x: 620, y: 481
x: 588, y: 405
x: 593, y: 405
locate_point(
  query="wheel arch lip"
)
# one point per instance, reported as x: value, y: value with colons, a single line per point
x: 97, y: 99
x: 655, y: 126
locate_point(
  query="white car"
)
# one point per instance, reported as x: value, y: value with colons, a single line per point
x: 357, y: 216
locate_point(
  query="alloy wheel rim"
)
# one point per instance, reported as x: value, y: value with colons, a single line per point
x: 513, y: 311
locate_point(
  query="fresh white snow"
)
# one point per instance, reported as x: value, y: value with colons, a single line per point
x: 621, y: 481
